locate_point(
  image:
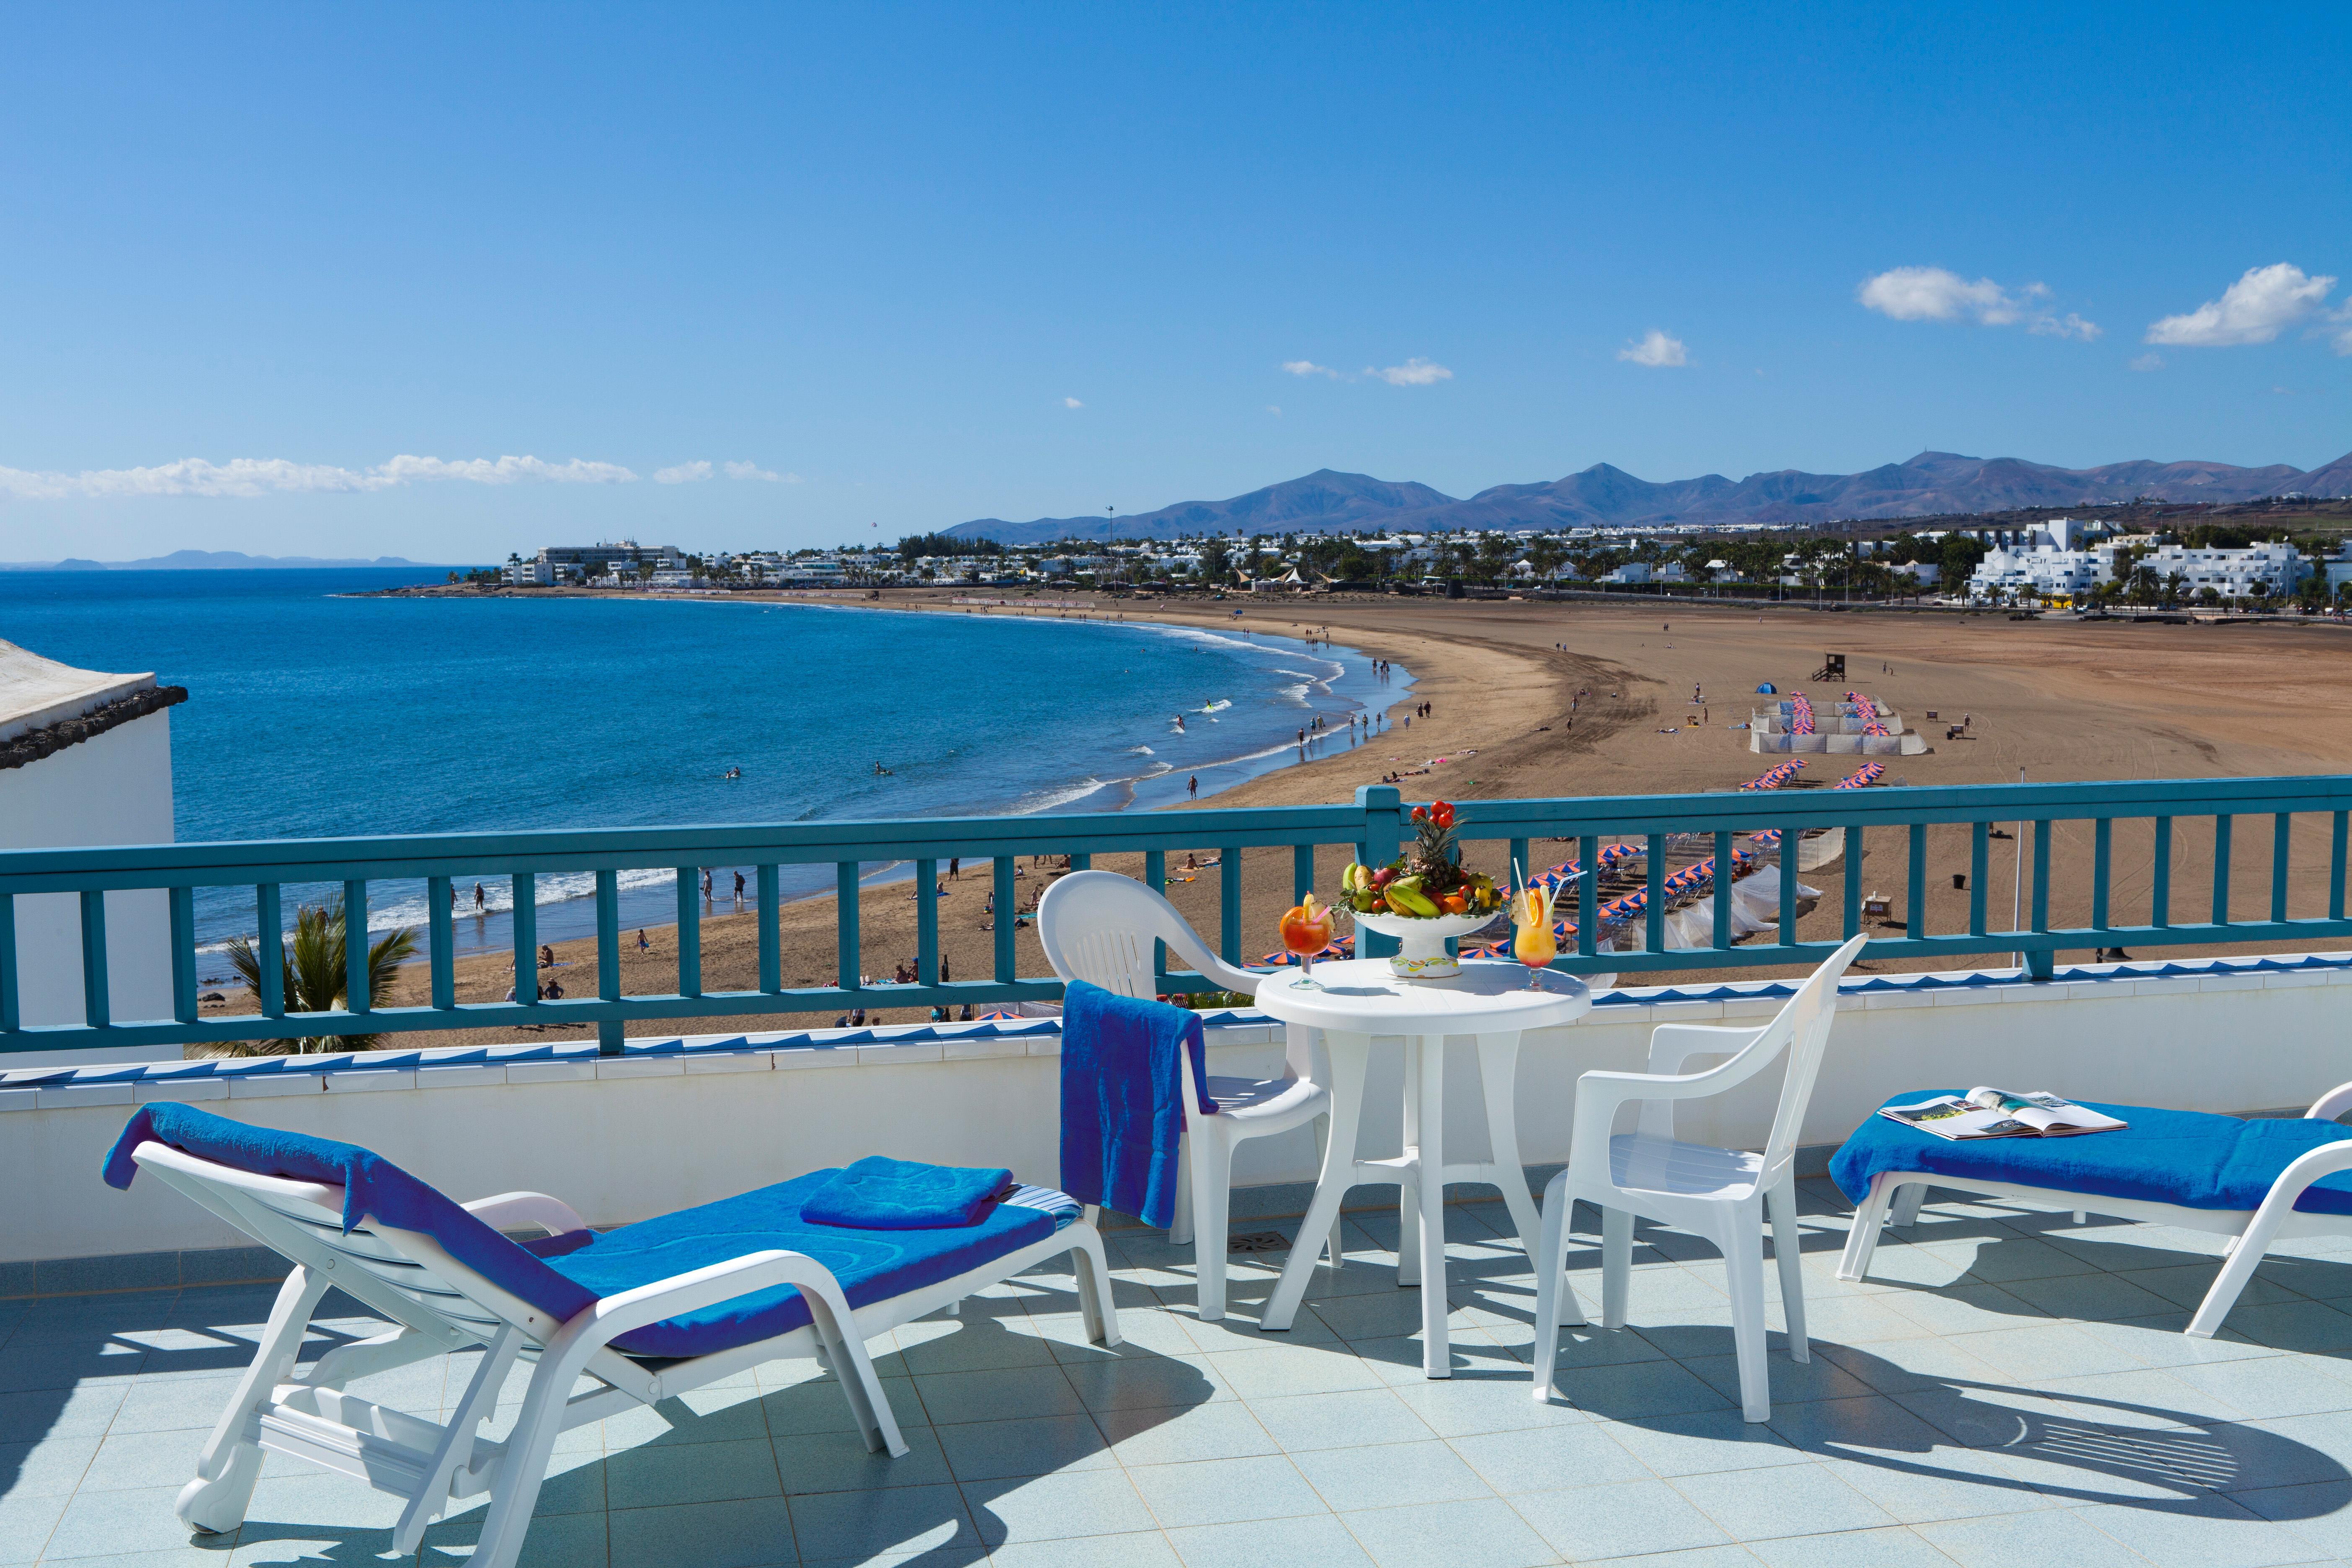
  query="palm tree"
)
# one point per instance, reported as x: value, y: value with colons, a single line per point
x: 314, y: 974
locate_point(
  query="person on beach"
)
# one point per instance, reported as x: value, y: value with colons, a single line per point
x: 642, y: 945
x: 1192, y: 786
x: 706, y: 884
x: 955, y: 868
x: 738, y: 887
x: 478, y: 903
x: 546, y: 957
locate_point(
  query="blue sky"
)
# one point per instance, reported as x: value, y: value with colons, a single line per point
x: 925, y: 264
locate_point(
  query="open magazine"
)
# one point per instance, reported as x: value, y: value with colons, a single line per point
x: 1997, y: 1113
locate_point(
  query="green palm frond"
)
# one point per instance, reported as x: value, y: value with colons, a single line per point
x: 312, y: 968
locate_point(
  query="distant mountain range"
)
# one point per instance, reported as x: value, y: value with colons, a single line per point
x: 1929, y: 485
x: 209, y: 560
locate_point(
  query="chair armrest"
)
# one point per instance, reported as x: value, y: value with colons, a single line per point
x: 1673, y: 1044
x: 1601, y: 1094
x: 511, y: 1211
x: 707, y: 1286
x: 2331, y: 1105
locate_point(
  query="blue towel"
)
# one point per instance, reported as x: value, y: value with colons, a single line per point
x: 2191, y: 1158
x: 1123, y: 1061
x: 878, y: 1193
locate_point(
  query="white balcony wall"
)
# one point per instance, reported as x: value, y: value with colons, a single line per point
x: 622, y: 1141
x: 114, y: 788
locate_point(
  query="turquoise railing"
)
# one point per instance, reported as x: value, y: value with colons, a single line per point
x: 1373, y: 827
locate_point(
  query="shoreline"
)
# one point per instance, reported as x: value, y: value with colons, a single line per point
x: 2062, y: 701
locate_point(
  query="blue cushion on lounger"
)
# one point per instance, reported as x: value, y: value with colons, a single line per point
x: 881, y: 1193
x: 872, y: 1265
x: 561, y: 1276
x: 2190, y: 1158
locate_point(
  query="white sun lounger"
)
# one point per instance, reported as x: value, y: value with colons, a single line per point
x: 442, y: 1305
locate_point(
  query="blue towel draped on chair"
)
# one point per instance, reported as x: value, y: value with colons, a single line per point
x: 1124, y: 1062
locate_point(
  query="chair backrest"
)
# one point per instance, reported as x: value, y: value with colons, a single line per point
x: 1098, y: 927
x: 404, y: 1275
x: 1804, y: 1025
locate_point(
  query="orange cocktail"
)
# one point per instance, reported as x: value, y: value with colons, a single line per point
x: 1305, y: 932
x: 1533, y: 943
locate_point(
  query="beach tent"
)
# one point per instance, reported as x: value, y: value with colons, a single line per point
x: 1766, y: 691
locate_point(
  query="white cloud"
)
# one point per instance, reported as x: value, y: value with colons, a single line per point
x: 1309, y: 367
x: 1937, y: 294
x: 1413, y: 373
x: 2342, y: 341
x: 683, y: 474
x: 2148, y: 361
x: 1072, y: 402
x: 1275, y: 409
x: 2254, y: 309
x: 248, y: 476
x: 753, y: 471
x: 1657, y: 349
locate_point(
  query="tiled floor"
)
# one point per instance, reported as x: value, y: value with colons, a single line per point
x: 2011, y: 1390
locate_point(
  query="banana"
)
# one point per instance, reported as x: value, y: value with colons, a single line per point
x: 1410, y: 900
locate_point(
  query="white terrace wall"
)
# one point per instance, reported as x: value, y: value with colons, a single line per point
x: 623, y: 1140
x: 113, y: 788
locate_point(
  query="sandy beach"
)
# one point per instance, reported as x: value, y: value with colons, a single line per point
x: 2062, y: 701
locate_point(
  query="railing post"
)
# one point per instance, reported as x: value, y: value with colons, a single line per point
x: 1302, y: 872
x: 772, y: 957
x: 9, y: 1016
x: 2159, y: 892
x: 526, y: 937
x: 2041, y: 963
x: 2335, y: 856
x: 611, y: 1033
x: 1588, y: 896
x: 1008, y: 910
x: 2222, y: 827
x: 849, y: 965
x: 1914, y: 897
x: 98, y: 1006
x: 1979, y: 860
x: 2103, y: 861
x: 2282, y: 831
x: 926, y: 923
x: 1229, y: 903
x: 269, y: 949
x: 1155, y: 877
x: 1654, y: 904
x: 1723, y: 871
x: 690, y: 932
x: 440, y: 943
x: 355, y: 948
x: 185, y: 1009
x: 1383, y: 836
x: 1790, y: 837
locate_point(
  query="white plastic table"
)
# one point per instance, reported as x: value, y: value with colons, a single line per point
x: 1357, y: 999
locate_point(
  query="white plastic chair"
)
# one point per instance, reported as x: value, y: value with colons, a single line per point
x: 1098, y: 927
x: 1722, y: 1194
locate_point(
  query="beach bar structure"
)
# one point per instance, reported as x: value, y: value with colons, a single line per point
x: 2010, y: 1369
x: 1854, y: 726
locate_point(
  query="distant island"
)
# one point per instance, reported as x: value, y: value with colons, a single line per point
x: 1933, y: 484
x: 216, y: 561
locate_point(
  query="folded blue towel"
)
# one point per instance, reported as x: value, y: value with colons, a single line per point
x: 878, y: 1193
x: 1123, y: 1061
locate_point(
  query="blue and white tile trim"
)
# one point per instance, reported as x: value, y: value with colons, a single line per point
x: 27, y: 1089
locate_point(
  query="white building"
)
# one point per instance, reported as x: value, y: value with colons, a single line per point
x: 2044, y: 570
x: 2231, y: 573
x: 85, y: 758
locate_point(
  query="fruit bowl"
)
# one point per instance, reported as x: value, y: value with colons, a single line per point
x: 1423, y: 955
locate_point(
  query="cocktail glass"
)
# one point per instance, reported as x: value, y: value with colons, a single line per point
x: 1305, y: 938
x: 1533, y: 943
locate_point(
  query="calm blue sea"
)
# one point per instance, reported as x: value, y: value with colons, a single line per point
x: 312, y: 714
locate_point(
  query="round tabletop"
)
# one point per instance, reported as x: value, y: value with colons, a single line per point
x: 1361, y: 996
